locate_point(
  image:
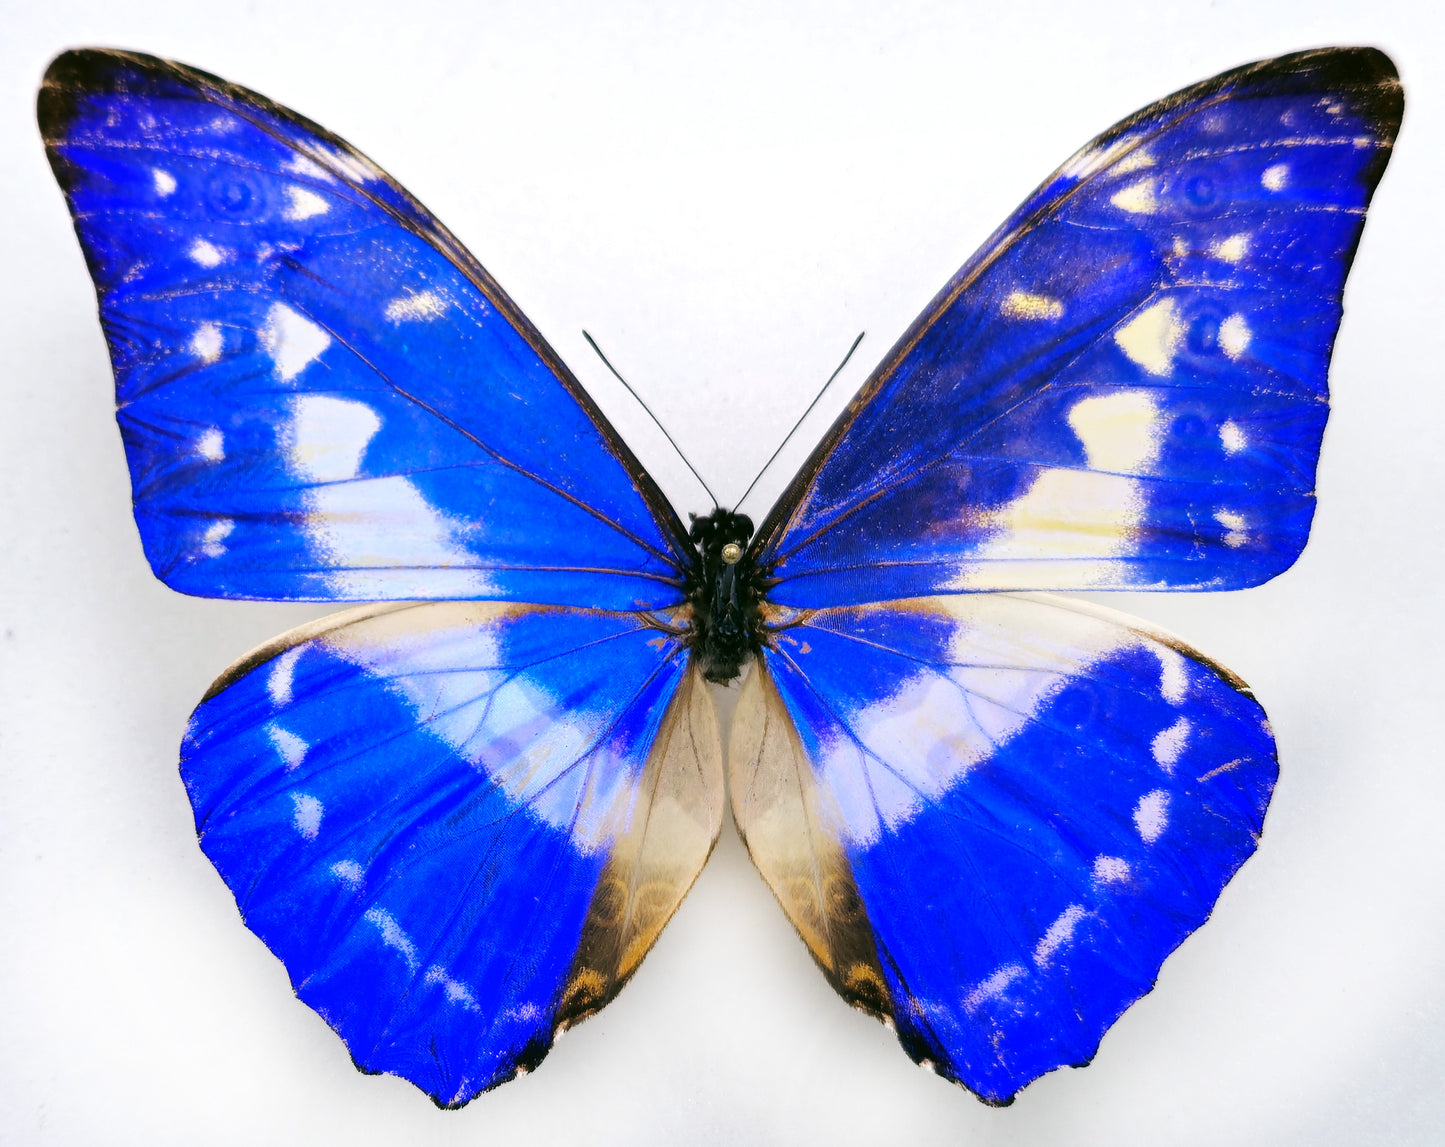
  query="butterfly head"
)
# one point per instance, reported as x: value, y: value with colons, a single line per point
x: 724, y: 591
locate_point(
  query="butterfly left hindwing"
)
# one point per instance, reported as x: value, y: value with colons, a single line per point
x: 459, y: 825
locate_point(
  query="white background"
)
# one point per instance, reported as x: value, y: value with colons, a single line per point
x: 724, y: 195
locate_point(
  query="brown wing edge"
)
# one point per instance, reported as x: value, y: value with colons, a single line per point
x: 1366, y: 74
x: 769, y: 779
x: 84, y: 70
x: 438, y: 613
x: 676, y: 819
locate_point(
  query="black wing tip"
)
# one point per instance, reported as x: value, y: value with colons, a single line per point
x: 109, y: 69
x: 80, y: 72
x: 1365, y: 76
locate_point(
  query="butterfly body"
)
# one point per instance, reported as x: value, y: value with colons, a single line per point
x: 725, y: 593
x: 461, y: 816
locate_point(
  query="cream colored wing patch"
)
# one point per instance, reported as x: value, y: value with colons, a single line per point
x: 675, y: 819
x: 775, y: 805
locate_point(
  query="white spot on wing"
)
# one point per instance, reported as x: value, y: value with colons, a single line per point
x: 307, y: 817
x: 1152, y: 337
x: 1275, y: 177
x: 1136, y: 160
x: 289, y: 747
x: 355, y: 167
x: 456, y: 991
x: 1173, y: 674
x: 1023, y: 305
x: 1060, y: 932
x: 1151, y: 815
x: 165, y: 181
x: 420, y: 305
x: 1234, y: 335
x: 211, y: 445
x: 1231, y: 250
x: 1074, y: 522
x: 205, y: 254
x: 279, y: 679
x: 213, y: 540
x: 994, y: 986
x: 349, y: 873
x: 1169, y: 743
x: 328, y: 436
x: 1235, y: 524
x: 304, y: 165
x: 1232, y: 438
x: 292, y: 341
x: 392, y: 935
x: 1111, y: 870
x: 1119, y: 431
x: 1138, y: 198
x: 207, y: 342
x: 304, y: 204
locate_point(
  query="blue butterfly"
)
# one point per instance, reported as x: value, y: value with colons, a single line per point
x: 461, y: 817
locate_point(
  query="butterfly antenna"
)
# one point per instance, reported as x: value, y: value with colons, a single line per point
x: 805, y: 414
x: 593, y: 344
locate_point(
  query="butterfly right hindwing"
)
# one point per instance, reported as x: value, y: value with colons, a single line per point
x: 992, y: 816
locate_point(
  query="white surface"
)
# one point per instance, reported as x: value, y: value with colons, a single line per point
x: 724, y: 195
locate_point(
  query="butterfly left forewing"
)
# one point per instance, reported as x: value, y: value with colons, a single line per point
x: 323, y: 396
x: 991, y: 817
x: 459, y: 825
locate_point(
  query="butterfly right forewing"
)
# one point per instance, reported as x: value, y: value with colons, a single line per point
x: 1126, y: 387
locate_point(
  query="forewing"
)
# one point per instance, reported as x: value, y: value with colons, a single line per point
x: 991, y: 817
x: 322, y: 394
x: 459, y: 825
x: 1126, y: 387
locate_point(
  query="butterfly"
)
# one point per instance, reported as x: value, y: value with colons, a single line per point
x: 461, y: 814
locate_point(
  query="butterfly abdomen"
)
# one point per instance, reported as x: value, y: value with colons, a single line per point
x: 724, y: 591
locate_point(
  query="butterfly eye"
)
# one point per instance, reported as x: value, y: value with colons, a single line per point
x: 732, y: 553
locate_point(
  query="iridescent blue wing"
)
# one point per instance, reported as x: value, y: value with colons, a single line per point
x: 991, y: 817
x: 1126, y: 387
x: 484, y: 858
x: 322, y: 394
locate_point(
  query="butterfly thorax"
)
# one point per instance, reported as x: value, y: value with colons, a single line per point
x: 723, y: 590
